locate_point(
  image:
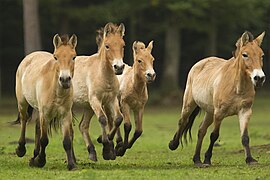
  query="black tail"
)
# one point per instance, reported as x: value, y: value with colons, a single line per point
x: 189, y: 125
x: 29, y: 114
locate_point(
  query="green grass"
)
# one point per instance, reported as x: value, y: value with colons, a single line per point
x: 150, y: 157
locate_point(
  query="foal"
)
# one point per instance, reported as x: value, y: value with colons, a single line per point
x: 133, y: 92
x: 43, y: 81
x: 222, y: 88
x: 96, y: 87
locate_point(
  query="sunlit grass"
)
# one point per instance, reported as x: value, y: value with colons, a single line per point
x: 150, y: 157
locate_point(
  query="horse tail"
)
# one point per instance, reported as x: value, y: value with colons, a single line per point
x: 29, y: 114
x: 190, y: 122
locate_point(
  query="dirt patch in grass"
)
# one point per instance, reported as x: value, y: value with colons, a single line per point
x: 265, y: 148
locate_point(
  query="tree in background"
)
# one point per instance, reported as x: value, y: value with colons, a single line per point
x: 32, y: 40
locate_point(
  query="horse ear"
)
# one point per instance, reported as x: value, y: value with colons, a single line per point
x: 259, y: 39
x: 150, y: 46
x: 107, y: 29
x: 121, y: 29
x: 244, y: 39
x: 137, y: 45
x: 73, y: 41
x: 57, y: 41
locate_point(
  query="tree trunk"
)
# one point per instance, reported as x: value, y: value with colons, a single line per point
x: 31, y: 26
x: 169, y: 82
x: 212, y: 35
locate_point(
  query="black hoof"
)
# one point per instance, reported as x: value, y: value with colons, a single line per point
x: 72, y: 167
x: 173, y: 145
x: 112, y: 151
x: 106, y: 151
x: 20, y: 151
x: 207, y: 162
x: 99, y: 139
x: 93, y: 156
x: 37, y: 162
x: 251, y: 161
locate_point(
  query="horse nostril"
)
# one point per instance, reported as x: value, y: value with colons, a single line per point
x: 69, y: 78
x: 115, y: 67
x: 256, y: 78
x: 61, y: 79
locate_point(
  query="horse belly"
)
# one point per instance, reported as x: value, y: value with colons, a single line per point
x: 203, y: 99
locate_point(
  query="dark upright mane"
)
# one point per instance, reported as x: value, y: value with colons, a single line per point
x: 100, y: 33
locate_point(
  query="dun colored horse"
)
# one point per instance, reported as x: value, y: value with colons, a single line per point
x: 222, y: 88
x: 43, y: 81
x: 134, y: 94
x: 96, y: 87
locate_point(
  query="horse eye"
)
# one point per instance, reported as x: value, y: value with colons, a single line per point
x: 140, y: 61
x: 245, y: 55
x: 74, y: 57
x: 55, y: 57
x: 107, y: 47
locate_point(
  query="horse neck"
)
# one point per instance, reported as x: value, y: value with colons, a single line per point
x: 139, y: 83
x: 242, y: 80
x: 105, y: 68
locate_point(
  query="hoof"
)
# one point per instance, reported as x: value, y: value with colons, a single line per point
x: 20, y: 151
x: 72, y: 167
x: 37, y: 162
x: 207, y: 162
x: 251, y: 161
x: 120, y: 149
x: 173, y: 145
x: 112, y: 151
x: 201, y: 165
x: 106, y: 152
x: 99, y: 139
x: 93, y: 156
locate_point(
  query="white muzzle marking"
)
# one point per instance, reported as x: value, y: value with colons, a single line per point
x: 257, y: 76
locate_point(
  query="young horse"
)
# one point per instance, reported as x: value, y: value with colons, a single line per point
x: 96, y: 87
x: 133, y: 92
x: 222, y: 88
x: 43, y: 81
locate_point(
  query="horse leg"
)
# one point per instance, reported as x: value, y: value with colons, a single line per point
x: 244, y: 116
x: 138, y: 115
x: 189, y: 106
x: 40, y: 159
x: 213, y: 137
x: 67, y: 141
x: 121, y: 147
x: 84, y: 127
x: 118, y: 118
x: 208, y: 120
x: 37, y: 142
x: 22, y: 107
x: 97, y: 108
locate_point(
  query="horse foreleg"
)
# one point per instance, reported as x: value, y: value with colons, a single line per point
x: 138, y: 115
x: 118, y: 118
x: 67, y: 141
x: 121, y: 147
x: 97, y: 108
x: 244, y: 116
x: 84, y: 128
x: 40, y: 159
x: 208, y: 120
x: 213, y: 137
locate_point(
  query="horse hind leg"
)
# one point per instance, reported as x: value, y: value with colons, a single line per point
x: 37, y: 142
x: 207, y: 121
x: 138, y: 131
x: 84, y: 128
x: 189, y: 112
x: 22, y: 107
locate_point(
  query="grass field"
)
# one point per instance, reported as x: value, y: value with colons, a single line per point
x: 150, y: 157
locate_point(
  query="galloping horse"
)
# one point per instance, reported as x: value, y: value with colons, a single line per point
x: 222, y: 88
x: 43, y: 81
x: 134, y: 94
x: 96, y: 87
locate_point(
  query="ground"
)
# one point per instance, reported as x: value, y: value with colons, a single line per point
x: 150, y: 157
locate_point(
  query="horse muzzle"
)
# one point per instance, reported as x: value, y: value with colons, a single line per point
x: 150, y: 77
x: 65, y: 82
x: 258, y: 81
x: 118, y: 69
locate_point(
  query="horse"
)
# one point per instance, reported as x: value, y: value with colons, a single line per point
x: 222, y: 88
x: 44, y: 82
x: 96, y: 88
x: 133, y: 93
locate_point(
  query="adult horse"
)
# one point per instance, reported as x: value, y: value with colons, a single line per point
x: 134, y: 94
x: 96, y: 87
x: 43, y: 81
x: 222, y: 88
